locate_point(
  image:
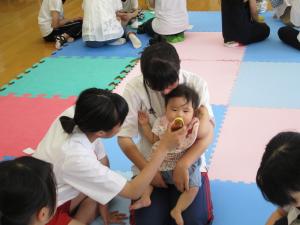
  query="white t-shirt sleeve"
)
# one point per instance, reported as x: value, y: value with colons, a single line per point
x: 130, y: 125
x: 55, y: 5
x: 84, y: 172
x: 100, y: 150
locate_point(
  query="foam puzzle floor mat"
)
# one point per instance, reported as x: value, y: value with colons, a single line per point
x: 66, y: 76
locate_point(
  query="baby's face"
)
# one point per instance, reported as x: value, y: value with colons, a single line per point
x: 179, y: 107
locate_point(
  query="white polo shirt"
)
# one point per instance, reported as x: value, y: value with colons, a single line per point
x: 171, y: 17
x: 45, y: 18
x: 292, y: 215
x: 137, y: 99
x: 76, y: 164
x: 100, y: 21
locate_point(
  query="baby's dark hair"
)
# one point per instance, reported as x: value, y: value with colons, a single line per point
x: 27, y: 185
x: 279, y: 174
x: 96, y: 110
x: 183, y: 90
x: 160, y: 65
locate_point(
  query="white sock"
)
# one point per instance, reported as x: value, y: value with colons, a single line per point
x: 135, y: 24
x: 135, y: 40
x: 120, y: 41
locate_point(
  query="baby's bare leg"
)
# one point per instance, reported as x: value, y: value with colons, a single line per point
x: 184, y: 201
x: 144, y: 201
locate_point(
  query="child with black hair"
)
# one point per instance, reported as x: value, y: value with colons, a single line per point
x: 73, y: 145
x: 181, y: 105
x: 27, y: 192
x: 161, y: 73
x: 53, y: 25
x: 240, y: 23
x: 278, y: 177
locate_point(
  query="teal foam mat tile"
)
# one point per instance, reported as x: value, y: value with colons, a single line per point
x: 66, y: 77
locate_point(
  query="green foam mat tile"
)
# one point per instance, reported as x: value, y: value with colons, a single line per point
x: 64, y: 76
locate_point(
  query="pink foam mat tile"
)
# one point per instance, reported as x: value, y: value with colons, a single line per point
x: 25, y: 120
x: 207, y: 46
x: 242, y: 140
x: 219, y: 75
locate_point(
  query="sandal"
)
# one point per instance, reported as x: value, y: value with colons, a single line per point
x: 60, y: 40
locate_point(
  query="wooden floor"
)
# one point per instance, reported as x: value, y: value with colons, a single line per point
x: 20, y: 42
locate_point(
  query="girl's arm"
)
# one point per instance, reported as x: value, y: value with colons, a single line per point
x: 58, y: 22
x: 180, y: 174
x: 279, y: 213
x: 204, y: 124
x: 143, y: 119
x: 253, y: 9
x: 135, y: 188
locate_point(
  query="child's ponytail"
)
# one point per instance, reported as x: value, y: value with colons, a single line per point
x: 67, y: 124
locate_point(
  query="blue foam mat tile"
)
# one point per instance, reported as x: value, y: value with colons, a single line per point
x: 219, y: 113
x: 239, y: 204
x: 273, y: 85
x: 78, y: 48
x: 271, y: 49
x: 117, y: 159
x: 5, y: 158
x: 205, y: 21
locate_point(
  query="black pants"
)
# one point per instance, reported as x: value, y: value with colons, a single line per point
x: 73, y: 29
x: 237, y: 24
x: 289, y: 36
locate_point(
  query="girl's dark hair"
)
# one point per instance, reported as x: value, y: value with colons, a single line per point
x: 182, y: 90
x: 160, y: 65
x: 96, y: 110
x: 279, y: 174
x: 27, y: 185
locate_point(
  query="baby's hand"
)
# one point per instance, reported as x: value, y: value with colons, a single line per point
x: 143, y: 118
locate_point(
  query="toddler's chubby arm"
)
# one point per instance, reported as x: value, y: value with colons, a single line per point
x: 143, y: 119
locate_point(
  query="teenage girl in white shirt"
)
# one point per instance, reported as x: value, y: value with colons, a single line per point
x: 53, y: 25
x: 171, y: 17
x: 74, y: 147
x: 102, y: 25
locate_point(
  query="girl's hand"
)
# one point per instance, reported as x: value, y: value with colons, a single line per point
x: 143, y: 118
x: 115, y: 217
x: 172, y: 139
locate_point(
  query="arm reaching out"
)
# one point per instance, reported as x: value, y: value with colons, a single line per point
x: 135, y: 188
